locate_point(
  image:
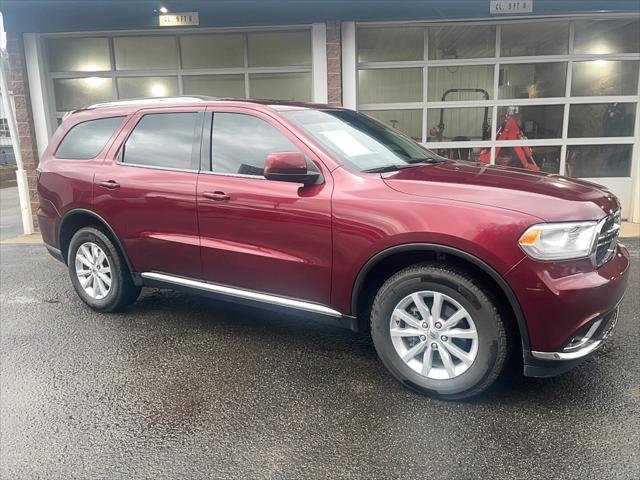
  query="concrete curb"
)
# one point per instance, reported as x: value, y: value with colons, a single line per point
x: 33, y: 239
x: 630, y: 230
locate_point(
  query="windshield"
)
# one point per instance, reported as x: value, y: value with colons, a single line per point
x: 360, y: 141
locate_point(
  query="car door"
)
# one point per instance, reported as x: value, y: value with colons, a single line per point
x: 258, y: 234
x: 146, y: 189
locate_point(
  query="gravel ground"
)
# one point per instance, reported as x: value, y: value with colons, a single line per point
x: 184, y: 387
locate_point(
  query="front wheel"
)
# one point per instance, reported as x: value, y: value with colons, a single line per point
x: 98, y: 271
x: 439, y: 332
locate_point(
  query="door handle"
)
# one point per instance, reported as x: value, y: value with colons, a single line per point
x: 109, y: 184
x: 216, y: 196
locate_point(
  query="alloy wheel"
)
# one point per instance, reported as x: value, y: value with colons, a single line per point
x: 93, y: 270
x: 434, y: 335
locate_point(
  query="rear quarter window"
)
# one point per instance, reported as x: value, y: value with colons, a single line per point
x: 87, y: 139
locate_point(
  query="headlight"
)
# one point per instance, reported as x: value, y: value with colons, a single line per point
x: 559, y: 241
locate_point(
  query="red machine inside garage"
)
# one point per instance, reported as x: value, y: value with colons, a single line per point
x: 510, y: 130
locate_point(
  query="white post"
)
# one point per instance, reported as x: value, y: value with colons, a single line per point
x: 349, y: 65
x: 319, y: 59
x: 21, y: 174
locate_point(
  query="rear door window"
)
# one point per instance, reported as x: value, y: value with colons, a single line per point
x: 165, y: 140
x: 87, y: 139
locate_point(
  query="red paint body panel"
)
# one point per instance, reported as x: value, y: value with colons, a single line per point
x: 154, y: 215
x: 560, y: 298
x: 370, y: 217
x: 153, y: 212
x: 65, y: 184
x: 546, y: 196
x: 311, y: 242
x: 270, y: 236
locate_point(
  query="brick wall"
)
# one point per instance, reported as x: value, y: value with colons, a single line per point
x: 334, y: 63
x: 19, y: 86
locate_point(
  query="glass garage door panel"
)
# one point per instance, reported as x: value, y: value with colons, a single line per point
x: 390, y: 85
x: 546, y: 158
x: 461, y: 41
x: 281, y: 86
x: 535, y: 121
x: 593, y: 161
x: 145, y: 53
x: 271, y: 49
x: 74, y: 93
x: 138, y: 87
x: 223, y: 86
x: 600, y: 37
x: 540, y: 38
x: 390, y: 44
x: 445, y: 79
x: 458, y: 124
x: 602, y: 120
x: 74, y: 55
x: 532, y: 80
x: 212, y: 51
x: 604, y: 77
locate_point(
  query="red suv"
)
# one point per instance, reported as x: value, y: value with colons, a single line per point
x: 453, y: 267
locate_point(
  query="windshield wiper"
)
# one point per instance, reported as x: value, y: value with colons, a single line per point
x: 388, y: 168
x: 413, y: 161
x: 410, y: 163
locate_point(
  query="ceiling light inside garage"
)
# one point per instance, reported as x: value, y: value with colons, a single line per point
x: 158, y: 90
x: 95, y: 82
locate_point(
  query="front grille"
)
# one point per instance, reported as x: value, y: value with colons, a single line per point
x: 608, y: 238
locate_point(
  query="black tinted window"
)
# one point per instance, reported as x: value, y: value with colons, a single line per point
x: 241, y: 143
x: 163, y: 140
x: 87, y: 139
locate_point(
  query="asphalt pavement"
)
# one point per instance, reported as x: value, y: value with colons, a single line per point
x: 184, y: 387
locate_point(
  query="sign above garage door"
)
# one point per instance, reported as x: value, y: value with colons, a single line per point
x: 498, y: 7
x: 179, y: 19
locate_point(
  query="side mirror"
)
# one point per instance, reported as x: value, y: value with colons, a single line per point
x: 288, y: 167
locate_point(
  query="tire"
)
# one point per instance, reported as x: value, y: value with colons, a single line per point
x: 485, y: 352
x: 121, y: 292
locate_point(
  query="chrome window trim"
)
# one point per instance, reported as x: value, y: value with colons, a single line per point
x: 225, y: 174
x: 153, y: 167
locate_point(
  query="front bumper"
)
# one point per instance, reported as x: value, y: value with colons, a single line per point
x: 587, y: 342
x: 549, y: 364
x: 570, y: 308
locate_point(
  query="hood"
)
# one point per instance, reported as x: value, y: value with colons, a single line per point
x: 547, y: 196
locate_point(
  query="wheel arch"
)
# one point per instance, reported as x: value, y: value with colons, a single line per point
x: 412, y: 253
x: 78, y: 218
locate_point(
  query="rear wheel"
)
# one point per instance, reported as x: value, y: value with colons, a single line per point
x: 439, y: 332
x: 98, y: 271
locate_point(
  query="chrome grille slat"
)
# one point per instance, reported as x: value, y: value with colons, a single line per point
x: 607, y: 239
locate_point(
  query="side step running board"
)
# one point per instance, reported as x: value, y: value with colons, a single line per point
x: 346, y: 321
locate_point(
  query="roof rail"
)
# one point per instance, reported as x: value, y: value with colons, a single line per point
x: 152, y: 100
